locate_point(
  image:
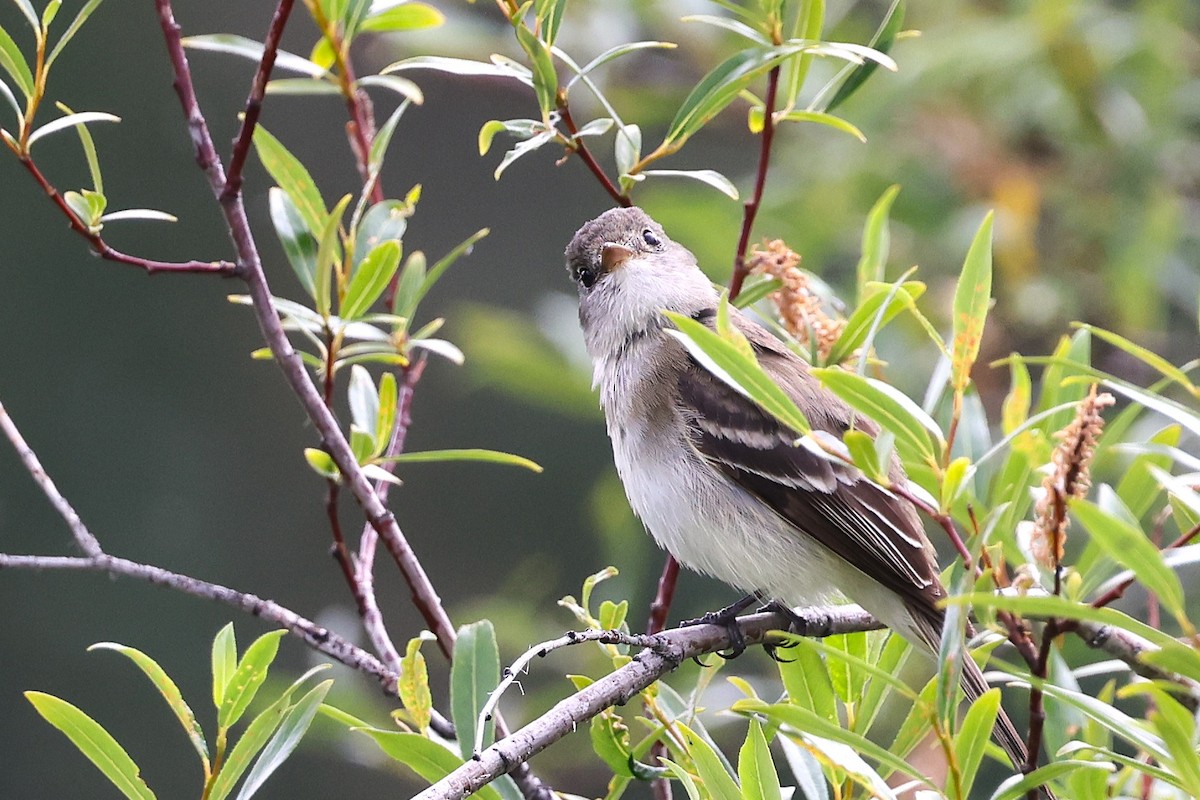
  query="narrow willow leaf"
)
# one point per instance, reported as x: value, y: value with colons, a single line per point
x: 971, y: 299
x: 302, y: 87
x: 248, y: 677
x: 423, y: 756
x: 383, y: 138
x: 248, y: 745
x: 138, y: 213
x: 14, y: 63
x: 329, y: 254
x: 755, y: 289
x: 809, y: 22
x: 618, y: 51
x: 681, y: 775
x: 386, y: 420
x: 971, y: 741
x: 291, y: 730
x: 8, y: 95
x: 89, y: 150
x: 461, y: 66
x: 170, y: 692
x: 882, y: 304
x: 849, y: 661
x: 627, y: 148
x: 886, y: 406
x: 609, y: 736
x: 370, y: 279
x: 1129, y: 547
x: 94, y: 742
x: 403, y: 17
x: 1147, y: 357
x: 414, y: 685
x: 322, y: 463
x: 408, y: 288
x: 740, y: 28
x: 882, y: 41
x: 70, y: 32
x: 364, y: 399
x: 742, y: 374
x: 1138, y: 488
x: 896, y: 650
x: 707, y: 176
x: 829, y: 120
x: 718, y: 783
x: 876, y: 242
x: 1020, y: 785
x: 224, y: 662
x: 1018, y: 401
x: 474, y: 675
x: 756, y: 770
x: 298, y: 242
x: 27, y: 9
x: 383, y: 221
x: 248, y: 48
x: 522, y: 149
x: 490, y: 456
x: 394, y: 83
x: 292, y: 177
x: 805, y: 721
x: 69, y: 121
x: 440, y: 347
x: 863, y: 454
x: 545, y: 79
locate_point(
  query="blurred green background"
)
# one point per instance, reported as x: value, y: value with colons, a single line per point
x: 1079, y: 122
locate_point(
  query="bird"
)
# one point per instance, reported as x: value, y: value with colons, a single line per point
x: 719, y: 482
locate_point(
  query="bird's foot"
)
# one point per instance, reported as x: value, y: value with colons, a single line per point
x: 796, y: 624
x: 727, y: 619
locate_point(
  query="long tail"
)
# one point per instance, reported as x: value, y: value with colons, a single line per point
x: 974, y: 686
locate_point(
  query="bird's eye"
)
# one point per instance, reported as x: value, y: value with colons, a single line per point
x: 651, y: 238
x: 586, y: 276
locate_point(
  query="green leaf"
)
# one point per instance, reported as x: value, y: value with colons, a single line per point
x: 1129, y: 547
x: 1019, y: 399
x: 386, y: 420
x: 138, y: 213
x: 707, y: 176
x: 971, y: 741
x: 1147, y: 357
x: 732, y: 25
x: 27, y: 9
x: 609, y: 736
x: 248, y: 48
x: 49, y: 13
x: 302, y: 87
x: 423, y: 756
x: 170, y: 692
x: 882, y: 41
x: 754, y: 289
x: 291, y: 730
x: 726, y: 362
x: 364, y: 399
x: 1019, y: 785
x: 224, y: 662
x: 474, y: 675
x: 756, y: 770
x: 805, y: 721
x: 1138, y: 488
x: 13, y: 62
x: 291, y: 176
x: 470, y: 454
x: 549, y: 14
x: 681, y: 775
x: 414, y: 685
x: 94, y: 742
x: 404, y: 17
x: 329, y: 254
x: 322, y: 463
x: 822, y: 118
x: 885, y: 405
x: 718, y: 783
x: 719, y: 88
x: 545, y: 79
x: 69, y: 121
x: 616, y: 52
x: 881, y: 304
x: 806, y: 680
x: 876, y: 242
x: 384, y: 221
x: 298, y: 242
x: 370, y: 279
x: 408, y: 288
x: 248, y: 677
x: 971, y: 299
x: 891, y: 661
x: 463, y: 67
x: 248, y: 745
x: 70, y: 32
x: 383, y: 138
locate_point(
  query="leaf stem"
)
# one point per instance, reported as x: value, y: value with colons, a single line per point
x: 577, y: 146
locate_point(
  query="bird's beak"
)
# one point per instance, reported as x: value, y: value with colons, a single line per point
x: 613, y: 255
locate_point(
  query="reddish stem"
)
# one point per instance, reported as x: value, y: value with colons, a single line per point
x: 579, y: 148
x: 760, y: 180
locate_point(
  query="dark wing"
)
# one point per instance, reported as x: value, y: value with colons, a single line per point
x: 864, y: 524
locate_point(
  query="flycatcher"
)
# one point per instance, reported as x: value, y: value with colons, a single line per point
x: 718, y: 481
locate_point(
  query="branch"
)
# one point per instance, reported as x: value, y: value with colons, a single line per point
x: 106, y: 251
x: 578, y: 147
x: 83, y: 537
x: 241, y: 144
x: 317, y: 637
x: 619, y: 686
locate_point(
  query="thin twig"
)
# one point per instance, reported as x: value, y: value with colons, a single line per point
x: 760, y: 180
x: 319, y: 638
x: 106, y: 251
x: 258, y: 89
x: 943, y: 520
x: 1118, y: 591
x: 580, y: 148
x: 83, y: 537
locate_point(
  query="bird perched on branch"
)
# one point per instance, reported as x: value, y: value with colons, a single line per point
x: 719, y: 482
